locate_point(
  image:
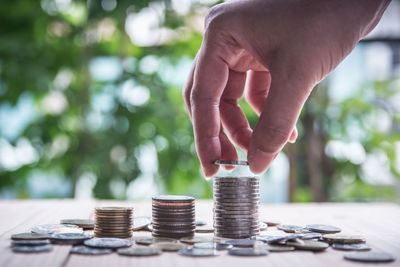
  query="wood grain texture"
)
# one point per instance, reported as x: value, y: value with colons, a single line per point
x: 379, y: 223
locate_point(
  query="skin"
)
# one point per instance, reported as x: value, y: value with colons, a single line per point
x: 281, y: 49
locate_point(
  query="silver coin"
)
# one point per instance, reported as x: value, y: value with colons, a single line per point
x: 309, y: 236
x: 308, y: 245
x: 69, y: 238
x: 270, y: 222
x: 32, y: 249
x: 169, y: 246
x: 369, y: 256
x: 205, y: 245
x: 52, y: 228
x: 279, y: 248
x: 243, y: 242
x: 197, y: 239
x: 139, y: 251
x: 84, y: 223
x: 151, y: 240
x: 249, y: 252
x: 29, y: 236
x: 263, y: 226
x: 287, y: 228
x: 198, y: 252
x: 30, y: 242
x: 84, y: 250
x: 204, y: 229
x: 200, y: 223
x: 173, y: 198
x: 108, y: 243
x: 140, y: 222
x: 322, y: 228
x: 231, y: 162
x: 357, y: 247
x: 278, y: 239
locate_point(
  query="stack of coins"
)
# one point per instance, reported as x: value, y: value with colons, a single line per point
x: 236, y: 201
x: 113, y: 222
x: 173, y: 216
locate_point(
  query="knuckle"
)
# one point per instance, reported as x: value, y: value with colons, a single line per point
x: 214, y: 16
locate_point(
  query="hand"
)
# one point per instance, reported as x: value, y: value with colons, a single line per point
x: 283, y: 48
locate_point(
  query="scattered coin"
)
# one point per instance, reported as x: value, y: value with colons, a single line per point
x: 197, y: 239
x: 308, y: 245
x: 32, y: 249
x: 206, y: 245
x: 271, y: 222
x: 343, y: 238
x: 107, y: 243
x: 223, y: 246
x: 29, y: 236
x: 243, y: 242
x: 231, y: 162
x: 358, y: 247
x: 198, y: 252
x: 369, y: 256
x: 279, y: 248
x: 200, y: 223
x: 84, y: 250
x: 324, y: 229
x: 263, y: 226
x: 309, y: 236
x: 169, y: 246
x: 69, y: 238
x: 204, y: 229
x: 139, y: 251
x: 249, y: 252
x: 30, y: 242
x: 83, y: 223
x: 140, y: 222
x: 151, y: 240
x: 55, y: 228
x: 287, y: 228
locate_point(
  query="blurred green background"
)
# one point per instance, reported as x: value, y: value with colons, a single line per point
x: 91, y: 106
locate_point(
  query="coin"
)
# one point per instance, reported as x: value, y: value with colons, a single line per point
x: 107, y: 243
x: 139, y: 251
x: 358, y: 247
x: 279, y: 248
x: 343, y: 238
x: 173, y: 198
x: 243, y: 242
x: 250, y: 252
x: 85, y: 224
x: 169, y: 246
x: 114, y: 209
x: 84, y: 250
x: 198, y: 252
x: 231, y: 162
x: 200, y: 223
x: 29, y: 236
x: 271, y: 222
x: 54, y: 228
x: 197, y: 239
x: 206, y: 245
x: 322, y: 228
x: 308, y: 245
x: 309, y: 236
x: 369, y: 256
x: 287, y: 228
x: 263, y: 226
x: 204, y: 229
x: 152, y: 240
x: 69, y: 238
x: 30, y: 242
x: 32, y: 249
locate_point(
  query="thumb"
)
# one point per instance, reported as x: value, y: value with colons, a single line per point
x: 278, y: 118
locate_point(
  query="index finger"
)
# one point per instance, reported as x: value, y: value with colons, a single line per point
x: 210, y: 78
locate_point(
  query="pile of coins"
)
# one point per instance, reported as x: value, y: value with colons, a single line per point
x: 113, y: 222
x: 236, y: 201
x: 173, y: 216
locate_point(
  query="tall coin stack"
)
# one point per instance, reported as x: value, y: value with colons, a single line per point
x: 173, y: 216
x: 236, y: 201
x: 113, y: 222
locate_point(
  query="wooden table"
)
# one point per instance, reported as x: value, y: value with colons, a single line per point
x: 378, y: 223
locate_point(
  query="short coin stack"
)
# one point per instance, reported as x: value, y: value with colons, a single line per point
x: 173, y: 216
x: 236, y: 201
x: 113, y: 222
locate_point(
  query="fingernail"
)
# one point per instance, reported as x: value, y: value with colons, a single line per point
x: 260, y: 161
